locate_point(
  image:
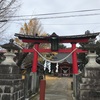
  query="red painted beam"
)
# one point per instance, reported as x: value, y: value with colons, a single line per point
x: 61, y: 41
x: 49, y: 50
x: 75, y: 40
x: 45, y: 50
x: 80, y: 51
x: 34, y: 41
x: 28, y: 50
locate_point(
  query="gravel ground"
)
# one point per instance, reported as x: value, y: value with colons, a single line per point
x: 57, y: 89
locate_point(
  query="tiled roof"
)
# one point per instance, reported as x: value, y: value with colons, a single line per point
x: 60, y: 56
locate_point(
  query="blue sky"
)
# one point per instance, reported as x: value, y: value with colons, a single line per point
x: 61, y: 26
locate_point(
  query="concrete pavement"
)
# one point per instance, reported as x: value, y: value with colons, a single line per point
x: 57, y: 89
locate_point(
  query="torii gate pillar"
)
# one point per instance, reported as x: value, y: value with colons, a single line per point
x: 35, y: 58
x: 74, y: 59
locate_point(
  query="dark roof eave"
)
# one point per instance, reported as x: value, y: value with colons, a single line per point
x: 91, y: 35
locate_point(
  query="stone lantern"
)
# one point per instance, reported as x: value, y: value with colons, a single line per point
x: 10, y: 47
x: 90, y: 85
x: 11, y: 82
x: 91, y: 56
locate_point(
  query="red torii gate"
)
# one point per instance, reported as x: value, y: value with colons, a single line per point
x: 59, y: 39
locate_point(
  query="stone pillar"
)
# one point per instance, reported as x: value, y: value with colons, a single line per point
x: 76, y: 82
x: 34, y: 82
x: 11, y: 83
x: 90, y: 86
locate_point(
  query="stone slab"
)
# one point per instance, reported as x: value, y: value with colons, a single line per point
x: 95, y: 87
x: 8, y: 69
x: 90, y: 80
x: 10, y: 76
x: 92, y: 72
x: 89, y: 95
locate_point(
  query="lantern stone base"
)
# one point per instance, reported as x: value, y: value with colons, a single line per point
x: 90, y: 86
x: 11, y: 83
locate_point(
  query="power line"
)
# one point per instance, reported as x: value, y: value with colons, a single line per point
x: 64, y: 23
x: 73, y: 24
x: 44, y: 14
x: 56, y: 17
x: 70, y: 24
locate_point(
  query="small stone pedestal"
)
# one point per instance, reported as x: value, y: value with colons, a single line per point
x: 90, y: 86
x: 11, y: 83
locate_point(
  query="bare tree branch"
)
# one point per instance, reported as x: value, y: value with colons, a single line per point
x: 7, y: 8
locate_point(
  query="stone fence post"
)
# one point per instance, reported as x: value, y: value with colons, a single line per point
x: 11, y: 82
x: 76, y: 82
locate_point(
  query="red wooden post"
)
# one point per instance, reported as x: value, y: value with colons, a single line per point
x: 74, y: 58
x: 42, y: 89
x: 35, y: 58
